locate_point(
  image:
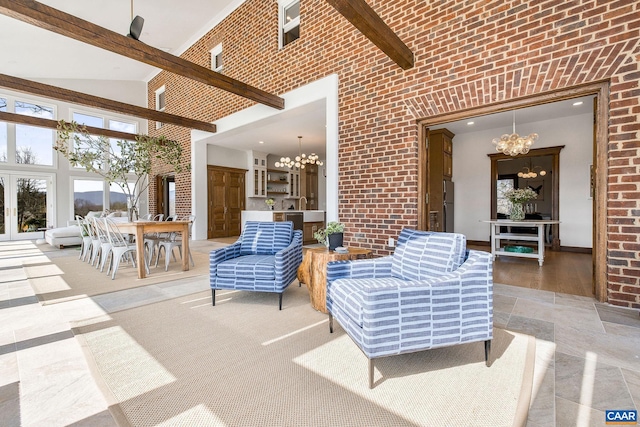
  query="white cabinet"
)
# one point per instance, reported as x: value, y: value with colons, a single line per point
x: 294, y: 184
x: 257, y: 180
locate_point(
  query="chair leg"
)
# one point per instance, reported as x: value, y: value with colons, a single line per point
x: 487, y: 352
x: 371, y: 373
x: 213, y: 297
x: 330, y: 323
x: 280, y: 300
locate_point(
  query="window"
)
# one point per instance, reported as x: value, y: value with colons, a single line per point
x: 118, y: 198
x: 34, y: 145
x: 160, y: 103
x: 122, y: 127
x: 87, y: 120
x: 216, y: 58
x: 504, y: 183
x: 88, y: 195
x: 289, y: 21
x: 3, y: 133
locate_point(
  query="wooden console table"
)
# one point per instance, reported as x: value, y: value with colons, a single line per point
x: 313, y: 271
x: 539, y: 238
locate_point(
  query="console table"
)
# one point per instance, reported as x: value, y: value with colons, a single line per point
x: 539, y: 238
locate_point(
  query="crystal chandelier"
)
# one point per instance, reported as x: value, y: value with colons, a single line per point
x: 514, y: 144
x: 301, y: 159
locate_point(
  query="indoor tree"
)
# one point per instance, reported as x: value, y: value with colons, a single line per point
x: 116, y: 162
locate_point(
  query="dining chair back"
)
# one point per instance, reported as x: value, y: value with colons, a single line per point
x: 120, y: 248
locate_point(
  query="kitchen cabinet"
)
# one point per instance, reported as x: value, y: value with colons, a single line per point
x: 257, y: 182
x: 294, y: 184
x: 309, y: 229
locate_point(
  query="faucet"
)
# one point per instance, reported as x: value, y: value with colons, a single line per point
x: 300, y: 203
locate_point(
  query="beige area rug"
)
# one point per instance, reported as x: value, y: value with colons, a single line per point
x: 63, y: 278
x: 183, y: 362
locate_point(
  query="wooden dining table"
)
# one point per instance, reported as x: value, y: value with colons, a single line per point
x: 140, y: 228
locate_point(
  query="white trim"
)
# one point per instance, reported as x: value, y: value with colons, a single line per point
x: 214, y: 53
x: 323, y: 89
x: 285, y: 27
x: 160, y: 91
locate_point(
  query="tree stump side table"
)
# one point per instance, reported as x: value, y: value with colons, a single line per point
x: 313, y: 271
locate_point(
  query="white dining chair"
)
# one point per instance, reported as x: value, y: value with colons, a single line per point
x: 120, y: 248
x: 174, y: 240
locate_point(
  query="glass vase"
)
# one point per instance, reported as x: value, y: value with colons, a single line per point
x: 517, y: 212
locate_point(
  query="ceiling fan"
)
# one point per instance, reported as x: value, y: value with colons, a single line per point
x: 135, y: 29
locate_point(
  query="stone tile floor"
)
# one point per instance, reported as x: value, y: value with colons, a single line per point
x: 587, y: 353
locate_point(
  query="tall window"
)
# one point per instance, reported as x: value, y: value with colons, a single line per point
x: 87, y: 120
x: 122, y: 127
x: 88, y: 195
x: 3, y: 133
x: 160, y: 103
x: 289, y: 21
x: 34, y: 145
x: 216, y: 58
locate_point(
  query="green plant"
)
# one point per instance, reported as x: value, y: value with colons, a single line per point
x: 117, y: 162
x: 333, y: 227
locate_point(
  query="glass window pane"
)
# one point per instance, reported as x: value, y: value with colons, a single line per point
x: 122, y: 127
x: 34, y: 145
x: 3, y: 133
x: 504, y: 205
x: 85, y: 119
x: 2, y: 206
x: 118, y: 198
x: 32, y: 204
x: 292, y: 12
x: 88, y: 195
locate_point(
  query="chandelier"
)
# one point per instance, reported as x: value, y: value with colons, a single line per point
x: 531, y: 172
x: 301, y: 159
x: 514, y: 144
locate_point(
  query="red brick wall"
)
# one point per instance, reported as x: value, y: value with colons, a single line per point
x: 467, y: 54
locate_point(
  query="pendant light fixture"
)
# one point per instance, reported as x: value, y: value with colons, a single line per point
x: 301, y: 159
x: 514, y: 144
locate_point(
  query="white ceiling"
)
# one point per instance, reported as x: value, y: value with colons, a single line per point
x: 33, y: 53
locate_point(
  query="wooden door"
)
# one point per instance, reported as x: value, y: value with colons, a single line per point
x: 160, y: 195
x: 226, y: 195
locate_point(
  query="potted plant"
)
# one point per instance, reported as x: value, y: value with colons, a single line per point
x: 116, y: 162
x: 270, y: 202
x: 331, y: 236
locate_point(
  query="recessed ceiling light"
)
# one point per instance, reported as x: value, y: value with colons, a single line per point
x: 470, y: 123
x: 261, y: 142
x: 575, y: 104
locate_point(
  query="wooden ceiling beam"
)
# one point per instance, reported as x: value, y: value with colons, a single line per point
x: 365, y: 19
x: 61, y: 94
x: 53, y: 124
x: 43, y: 16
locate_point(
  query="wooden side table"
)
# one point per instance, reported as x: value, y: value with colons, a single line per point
x: 313, y: 271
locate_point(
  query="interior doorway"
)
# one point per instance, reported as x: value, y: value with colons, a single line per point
x: 599, y: 155
x: 166, y: 195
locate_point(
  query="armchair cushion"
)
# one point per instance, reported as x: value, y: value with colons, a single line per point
x: 249, y: 266
x: 422, y: 255
x: 265, y: 238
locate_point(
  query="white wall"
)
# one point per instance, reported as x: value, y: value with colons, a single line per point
x: 472, y: 176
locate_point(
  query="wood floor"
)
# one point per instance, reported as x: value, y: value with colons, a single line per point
x: 564, y: 272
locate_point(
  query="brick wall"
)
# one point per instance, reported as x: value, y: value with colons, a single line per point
x: 467, y: 54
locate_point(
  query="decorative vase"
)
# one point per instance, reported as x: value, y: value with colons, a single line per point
x: 335, y: 240
x: 517, y: 212
x: 132, y: 210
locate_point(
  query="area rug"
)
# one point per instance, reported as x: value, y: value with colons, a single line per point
x: 245, y: 363
x: 64, y: 278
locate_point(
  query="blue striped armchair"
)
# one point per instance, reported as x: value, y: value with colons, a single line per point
x: 430, y: 293
x: 265, y: 259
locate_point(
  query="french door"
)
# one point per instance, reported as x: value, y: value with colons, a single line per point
x: 27, y: 205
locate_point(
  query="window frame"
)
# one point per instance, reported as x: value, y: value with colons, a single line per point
x: 162, y: 90
x: 285, y: 27
x: 215, y: 52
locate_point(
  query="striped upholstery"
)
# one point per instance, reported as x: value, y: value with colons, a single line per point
x: 386, y: 315
x: 421, y: 254
x: 265, y: 258
x: 265, y: 238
